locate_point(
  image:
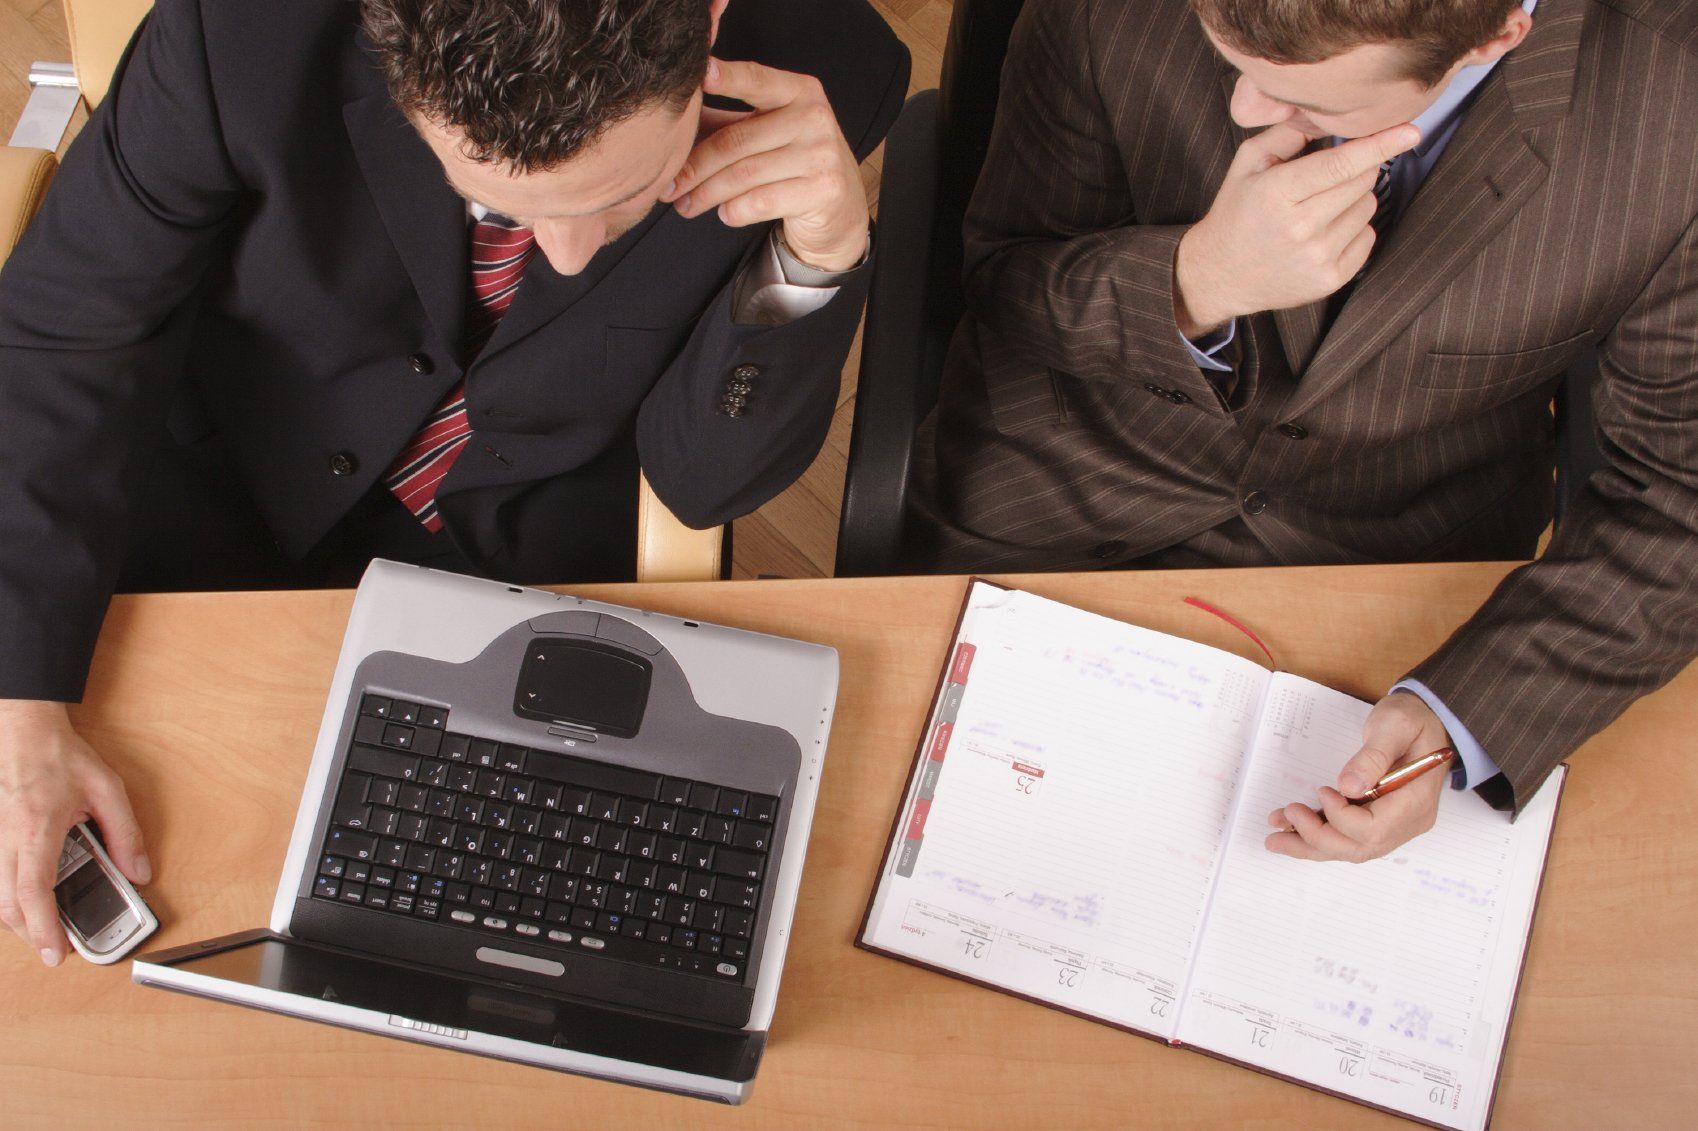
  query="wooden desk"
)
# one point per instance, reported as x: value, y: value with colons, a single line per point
x: 208, y: 705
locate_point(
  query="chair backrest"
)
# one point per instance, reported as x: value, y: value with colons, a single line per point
x: 100, y: 31
x: 967, y: 94
x: 931, y: 163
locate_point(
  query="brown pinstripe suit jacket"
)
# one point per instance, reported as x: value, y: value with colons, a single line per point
x: 1073, y: 429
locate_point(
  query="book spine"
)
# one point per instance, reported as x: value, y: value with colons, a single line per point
x: 943, y: 727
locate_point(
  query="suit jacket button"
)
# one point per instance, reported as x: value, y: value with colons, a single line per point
x: 1155, y: 390
x: 1179, y: 397
x: 344, y: 463
x: 1255, y: 503
x: 422, y: 363
x: 1110, y: 549
x: 1293, y: 431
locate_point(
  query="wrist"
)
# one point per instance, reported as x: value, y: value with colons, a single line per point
x: 832, y: 260
x: 1197, y: 309
x: 23, y: 712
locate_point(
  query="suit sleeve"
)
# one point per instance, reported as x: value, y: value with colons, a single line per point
x: 743, y: 409
x: 1056, y: 261
x: 1610, y: 611
x: 92, y: 308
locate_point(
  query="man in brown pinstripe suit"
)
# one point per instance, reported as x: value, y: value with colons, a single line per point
x: 1202, y: 333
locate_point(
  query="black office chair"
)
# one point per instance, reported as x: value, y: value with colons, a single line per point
x: 931, y: 162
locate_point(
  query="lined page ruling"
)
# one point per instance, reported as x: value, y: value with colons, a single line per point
x: 1390, y: 981
x: 1061, y: 836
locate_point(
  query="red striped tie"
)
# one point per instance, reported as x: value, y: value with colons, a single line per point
x: 500, y: 252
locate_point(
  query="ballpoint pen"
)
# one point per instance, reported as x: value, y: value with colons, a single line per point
x: 1398, y: 777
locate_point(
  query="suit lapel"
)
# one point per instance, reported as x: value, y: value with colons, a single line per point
x: 425, y: 219
x: 544, y: 294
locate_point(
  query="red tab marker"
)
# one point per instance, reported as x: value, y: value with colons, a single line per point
x: 940, y: 740
x: 917, y: 820
x: 963, y: 663
x: 1022, y: 768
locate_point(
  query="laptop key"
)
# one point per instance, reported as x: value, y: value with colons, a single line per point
x: 735, y: 862
x: 752, y: 836
x: 762, y: 808
x: 326, y: 887
x: 383, y: 763
x: 353, y: 893
x: 592, y: 775
x: 739, y: 922
x: 353, y: 845
x: 351, y: 814
x: 433, y: 717
x: 377, y: 705
x: 483, y: 899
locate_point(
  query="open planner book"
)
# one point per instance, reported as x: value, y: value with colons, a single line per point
x: 1084, y: 827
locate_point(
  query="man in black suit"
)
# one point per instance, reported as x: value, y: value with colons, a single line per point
x: 323, y: 280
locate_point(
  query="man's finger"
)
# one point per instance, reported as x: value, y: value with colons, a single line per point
x: 38, y: 865
x: 734, y: 180
x: 1275, y: 145
x: 754, y: 134
x: 1290, y: 844
x: 1367, y: 766
x: 776, y: 201
x: 1320, y: 835
x: 109, y: 805
x: 764, y: 88
x: 10, y: 913
x: 1325, y: 168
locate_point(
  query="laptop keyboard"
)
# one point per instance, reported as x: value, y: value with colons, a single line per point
x: 547, y: 848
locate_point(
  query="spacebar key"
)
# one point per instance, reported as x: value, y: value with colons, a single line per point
x: 593, y: 775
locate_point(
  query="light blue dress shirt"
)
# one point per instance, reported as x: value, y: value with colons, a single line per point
x: 1438, y: 125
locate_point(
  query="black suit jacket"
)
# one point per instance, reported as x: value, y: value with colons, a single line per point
x: 250, y: 241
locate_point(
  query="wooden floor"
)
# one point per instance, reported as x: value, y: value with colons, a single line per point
x: 795, y: 535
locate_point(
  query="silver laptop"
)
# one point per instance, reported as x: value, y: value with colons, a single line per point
x: 543, y: 829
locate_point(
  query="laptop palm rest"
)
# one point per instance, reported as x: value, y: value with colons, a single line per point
x: 304, y: 979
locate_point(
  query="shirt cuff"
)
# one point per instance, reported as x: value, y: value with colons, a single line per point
x: 1473, y: 765
x: 776, y: 287
x: 1205, y: 351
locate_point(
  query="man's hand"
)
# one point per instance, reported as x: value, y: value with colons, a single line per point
x: 49, y: 780
x: 1284, y: 230
x: 786, y: 161
x: 1401, y: 727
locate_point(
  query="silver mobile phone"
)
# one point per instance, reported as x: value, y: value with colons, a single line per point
x: 102, y: 913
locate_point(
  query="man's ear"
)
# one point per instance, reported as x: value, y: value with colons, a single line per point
x: 716, y: 9
x: 1508, y: 38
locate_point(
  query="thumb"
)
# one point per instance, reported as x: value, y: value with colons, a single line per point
x: 1386, y: 738
x: 110, y: 808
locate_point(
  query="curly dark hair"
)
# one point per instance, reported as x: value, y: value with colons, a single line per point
x: 1436, y: 33
x: 533, y: 82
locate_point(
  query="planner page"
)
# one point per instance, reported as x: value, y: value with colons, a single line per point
x: 1059, y: 836
x: 1390, y: 981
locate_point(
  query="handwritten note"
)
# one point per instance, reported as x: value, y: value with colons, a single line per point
x: 1405, y: 958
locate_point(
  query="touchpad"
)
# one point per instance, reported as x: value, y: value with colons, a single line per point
x: 586, y: 683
